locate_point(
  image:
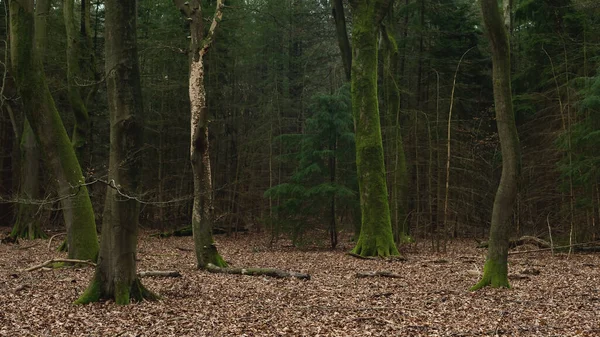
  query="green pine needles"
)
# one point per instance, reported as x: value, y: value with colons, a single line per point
x: 323, y: 187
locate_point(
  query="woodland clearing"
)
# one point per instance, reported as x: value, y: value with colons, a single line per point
x: 550, y: 295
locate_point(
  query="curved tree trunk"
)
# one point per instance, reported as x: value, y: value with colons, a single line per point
x: 202, y: 212
x: 50, y: 132
x: 495, y: 272
x: 376, y: 238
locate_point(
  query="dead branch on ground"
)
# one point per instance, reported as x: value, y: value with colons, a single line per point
x: 277, y: 273
x: 377, y: 274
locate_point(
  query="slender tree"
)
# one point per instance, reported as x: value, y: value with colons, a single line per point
x: 47, y: 125
x: 495, y: 272
x: 202, y: 212
x: 376, y: 238
x: 115, y: 275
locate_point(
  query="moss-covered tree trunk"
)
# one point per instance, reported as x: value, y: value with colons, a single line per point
x: 51, y: 135
x: 376, y: 238
x: 202, y: 212
x: 27, y: 224
x: 397, y: 165
x: 74, y: 74
x: 495, y: 272
x: 115, y: 275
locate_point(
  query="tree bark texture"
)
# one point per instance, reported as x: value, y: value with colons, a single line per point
x: 27, y: 224
x: 115, y: 275
x: 339, y: 17
x: 495, y: 271
x: 376, y: 238
x: 47, y: 125
x: 74, y: 74
x: 202, y: 212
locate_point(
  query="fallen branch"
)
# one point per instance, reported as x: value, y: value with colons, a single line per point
x: 277, y: 273
x: 592, y: 248
x: 159, y: 273
x: 49, y: 262
x: 52, y: 237
x: 524, y: 240
x: 377, y: 274
x: 388, y: 259
x: 27, y: 247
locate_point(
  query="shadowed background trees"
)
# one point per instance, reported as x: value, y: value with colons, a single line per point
x: 273, y: 59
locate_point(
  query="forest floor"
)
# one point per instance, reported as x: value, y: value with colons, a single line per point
x: 430, y: 299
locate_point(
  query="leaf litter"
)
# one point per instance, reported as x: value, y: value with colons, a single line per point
x: 550, y: 296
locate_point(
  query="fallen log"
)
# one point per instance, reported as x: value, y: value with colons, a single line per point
x: 159, y: 273
x: 277, y: 273
x: 377, y: 274
x: 524, y: 240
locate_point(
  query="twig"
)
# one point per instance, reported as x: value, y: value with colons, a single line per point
x: 52, y: 237
x: 30, y: 246
x: 49, y: 262
x: 550, y: 233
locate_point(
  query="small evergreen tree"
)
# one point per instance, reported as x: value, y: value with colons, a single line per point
x: 324, y: 184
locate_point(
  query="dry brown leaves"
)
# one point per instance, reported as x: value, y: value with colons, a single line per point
x: 430, y: 299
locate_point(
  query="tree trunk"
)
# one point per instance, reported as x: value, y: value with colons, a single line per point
x: 342, y: 36
x: 50, y: 132
x: 495, y: 272
x: 27, y: 224
x: 115, y: 275
x: 74, y: 57
x: 376, y: 238
x: 399, y: 176
x: 202, y: 212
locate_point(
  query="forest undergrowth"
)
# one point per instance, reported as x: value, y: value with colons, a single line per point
x: 550, y: 295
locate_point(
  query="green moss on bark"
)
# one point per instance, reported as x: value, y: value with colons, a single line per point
x: 495, y: 275
x: 93, y: 293
x: 376, y: 238
x: 47, y: 125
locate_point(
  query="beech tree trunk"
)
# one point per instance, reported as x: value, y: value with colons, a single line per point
x: 376, y: 238
x: 74, y: 74
x: 27, y: 224
x: 202, y: 212
x: 495, y: 272
x: 47, y: 125
x: 115, y: 275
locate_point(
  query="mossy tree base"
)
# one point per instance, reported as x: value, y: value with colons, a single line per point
x: 376, y: 247
x: 31, y: 230
x: 122, y: 294
x: 495, y: 275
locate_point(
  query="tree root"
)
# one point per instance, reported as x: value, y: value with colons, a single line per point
x: 277, y: 273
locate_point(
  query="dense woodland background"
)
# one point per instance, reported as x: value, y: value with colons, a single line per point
x: 276, y: 94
